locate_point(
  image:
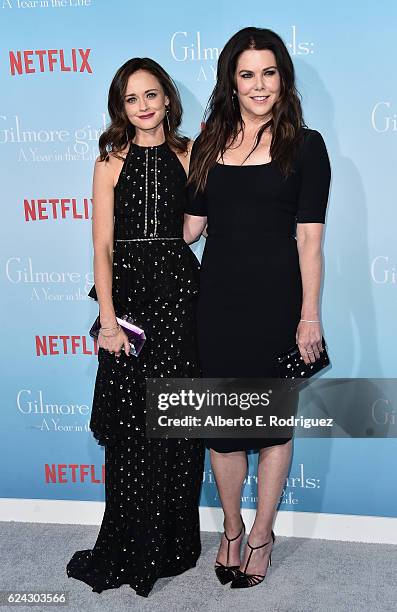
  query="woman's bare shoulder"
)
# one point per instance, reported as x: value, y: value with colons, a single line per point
x: 112, y: 165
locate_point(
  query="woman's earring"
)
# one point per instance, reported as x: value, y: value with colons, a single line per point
x: 167, y: 112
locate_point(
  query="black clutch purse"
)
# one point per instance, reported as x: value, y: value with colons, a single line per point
x: 291, y: 365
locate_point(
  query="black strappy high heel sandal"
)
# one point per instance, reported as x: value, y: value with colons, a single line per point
x: 244, y: 580
x: 226, y: 573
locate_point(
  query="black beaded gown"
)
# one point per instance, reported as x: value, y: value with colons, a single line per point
x: 150, y: 527
x: 250, y: 289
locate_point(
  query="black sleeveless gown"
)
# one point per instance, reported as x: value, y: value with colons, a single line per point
x: 150, y: 527
x: 251, y: 290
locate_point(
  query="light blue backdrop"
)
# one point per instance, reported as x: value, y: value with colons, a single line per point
x: 344, y: 54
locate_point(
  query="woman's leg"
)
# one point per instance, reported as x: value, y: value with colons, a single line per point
x: 273, y: 466
x: 229, y: 470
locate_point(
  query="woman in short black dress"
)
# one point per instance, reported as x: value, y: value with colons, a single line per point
x: 260, y: 179
x: 144, y: 269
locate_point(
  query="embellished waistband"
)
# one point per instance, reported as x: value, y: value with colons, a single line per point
x: 145, y: 239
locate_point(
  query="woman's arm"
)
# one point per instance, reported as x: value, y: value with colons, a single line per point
x: 102, y: 233
x: 193, y: 227
x: 309, y: 335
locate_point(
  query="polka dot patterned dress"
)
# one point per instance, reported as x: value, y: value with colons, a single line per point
x: 150, y: 527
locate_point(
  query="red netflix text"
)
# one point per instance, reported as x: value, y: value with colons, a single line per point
x: 63, y: 473
x: 57, y: 208
x: 66, y: 345
x: 44, y: 60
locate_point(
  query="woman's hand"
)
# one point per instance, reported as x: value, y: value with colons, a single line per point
x: 115, y: 343
x: 309, y: 341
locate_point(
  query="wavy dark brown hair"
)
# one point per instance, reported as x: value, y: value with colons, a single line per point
x: 121, y: 131
x: 223, y: 121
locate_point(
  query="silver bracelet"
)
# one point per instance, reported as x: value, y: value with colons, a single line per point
x: 310, y: 321
x: 110, y: 335
x: 110, y: 328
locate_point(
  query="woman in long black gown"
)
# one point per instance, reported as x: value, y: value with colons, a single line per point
x: 144, y: 269
x: 260, y: 179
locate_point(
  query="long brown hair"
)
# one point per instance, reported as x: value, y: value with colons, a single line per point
x: 223, y: 121
x: 121, y: 130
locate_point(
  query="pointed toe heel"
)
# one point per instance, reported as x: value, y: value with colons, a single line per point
x: 227, y: 573
x: 243, y: 580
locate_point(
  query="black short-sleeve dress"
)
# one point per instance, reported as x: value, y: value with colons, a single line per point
x: 250, y: 274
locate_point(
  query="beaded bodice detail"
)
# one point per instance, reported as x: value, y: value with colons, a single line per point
x: 149, y: 195
x: 151, y: 260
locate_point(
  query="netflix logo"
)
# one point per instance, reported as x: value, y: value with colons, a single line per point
x: 57, y: 208
x: 65, y: 345
x: 45, y: 60
x: 63, y: 473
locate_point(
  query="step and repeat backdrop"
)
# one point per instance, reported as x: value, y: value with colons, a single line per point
x: 57, y: 59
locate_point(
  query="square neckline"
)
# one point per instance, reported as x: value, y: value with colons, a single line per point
x: 244, y: 166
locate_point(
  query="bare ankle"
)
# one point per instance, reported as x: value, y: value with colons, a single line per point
x: 232, y: 524
x: 260, y: 535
